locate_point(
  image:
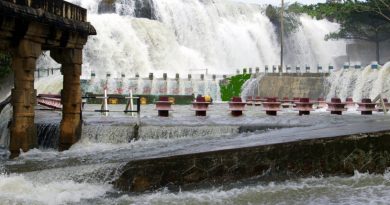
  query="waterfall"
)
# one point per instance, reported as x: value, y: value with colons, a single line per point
x: 5, y: 117
x: 251, y: 87
x: 176, y: 36
x: 48, y: 135
x: 360, y: 83
x: 154, y: 87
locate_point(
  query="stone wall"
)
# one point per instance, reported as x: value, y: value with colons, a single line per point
x: 316, y: 157
x: 293, y: 85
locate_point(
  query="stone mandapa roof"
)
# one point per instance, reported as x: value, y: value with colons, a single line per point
x: 40, y: 15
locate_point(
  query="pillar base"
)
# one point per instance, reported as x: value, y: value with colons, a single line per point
x: 200, y: 113
x: 304, y: 113
x: 366, y: 112
x: 70, y: 134
x: 163, y: 113
x: 236, y: 113
x: 336, y: 112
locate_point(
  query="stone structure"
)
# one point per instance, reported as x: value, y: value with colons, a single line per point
x: 309, y: 85
x: 280, y: 161
x: 27, y: 28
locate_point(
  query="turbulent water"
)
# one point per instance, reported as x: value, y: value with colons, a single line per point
x: 83, y: 174
x: 177, y: 36
x: 360, y: 83
x: 359, y: 189
x: 180, y: 36
x: 344, y: 83
x: 251, y: 87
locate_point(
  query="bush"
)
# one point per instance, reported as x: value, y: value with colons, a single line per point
x: 233, y: 87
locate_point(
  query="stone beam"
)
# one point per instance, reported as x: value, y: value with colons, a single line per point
x: 70, y: 128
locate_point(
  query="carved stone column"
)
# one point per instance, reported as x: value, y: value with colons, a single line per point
x: 70, y: 129
x: 23, y: 130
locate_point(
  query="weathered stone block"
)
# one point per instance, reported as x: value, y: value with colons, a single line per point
x: 28, y: 48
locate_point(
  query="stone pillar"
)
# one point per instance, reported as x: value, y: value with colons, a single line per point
x: 70, y: 129
x: 23, y: 130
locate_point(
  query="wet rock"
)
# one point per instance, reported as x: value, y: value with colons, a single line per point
x: 107, y: 6
x: 144, y: 9
x: 141, y: 8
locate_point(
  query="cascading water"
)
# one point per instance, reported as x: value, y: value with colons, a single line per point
x: 48, y: 135
x: 360, y: 83
x: 115, y: 134
x: 179, y: 36
x: 166, y: 132
x: 154, y: 87
x: 5, y: 117
x: 344, y: 83
x: 251, y: 86
x: 174, y: 36
x: 306, y: 45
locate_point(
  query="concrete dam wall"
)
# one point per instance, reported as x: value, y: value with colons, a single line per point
x: 311, y: 85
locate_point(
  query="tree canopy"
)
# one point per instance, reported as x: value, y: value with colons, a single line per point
x: 359, y: 20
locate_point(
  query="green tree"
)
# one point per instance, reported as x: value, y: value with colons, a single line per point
x: 359, y: 20
x: 380, y: 7
x: 233, y: 86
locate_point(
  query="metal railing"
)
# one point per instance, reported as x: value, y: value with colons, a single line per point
x: 53, y: 102
x: 58, y: 7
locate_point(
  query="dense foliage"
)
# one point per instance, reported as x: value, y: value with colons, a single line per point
x: 5, y: 64
x: 233, y: 87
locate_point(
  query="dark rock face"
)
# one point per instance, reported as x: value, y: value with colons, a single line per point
x: 325, y: 157
x: 106, y: 6
x: 142, y: 8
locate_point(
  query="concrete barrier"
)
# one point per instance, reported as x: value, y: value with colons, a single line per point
x: 309, y: 85
x: 315, y: 157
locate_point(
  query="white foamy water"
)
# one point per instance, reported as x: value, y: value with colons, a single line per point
x: 359, y: 189
x: 17, y: 189
x: 307, y: 46
x: 250, y: 87
x: 82, y: 174
x: 166, y: 132
x: 5, y: 117
x: 217, y: 35
x: 362, y: 188
x: 360, y: 83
